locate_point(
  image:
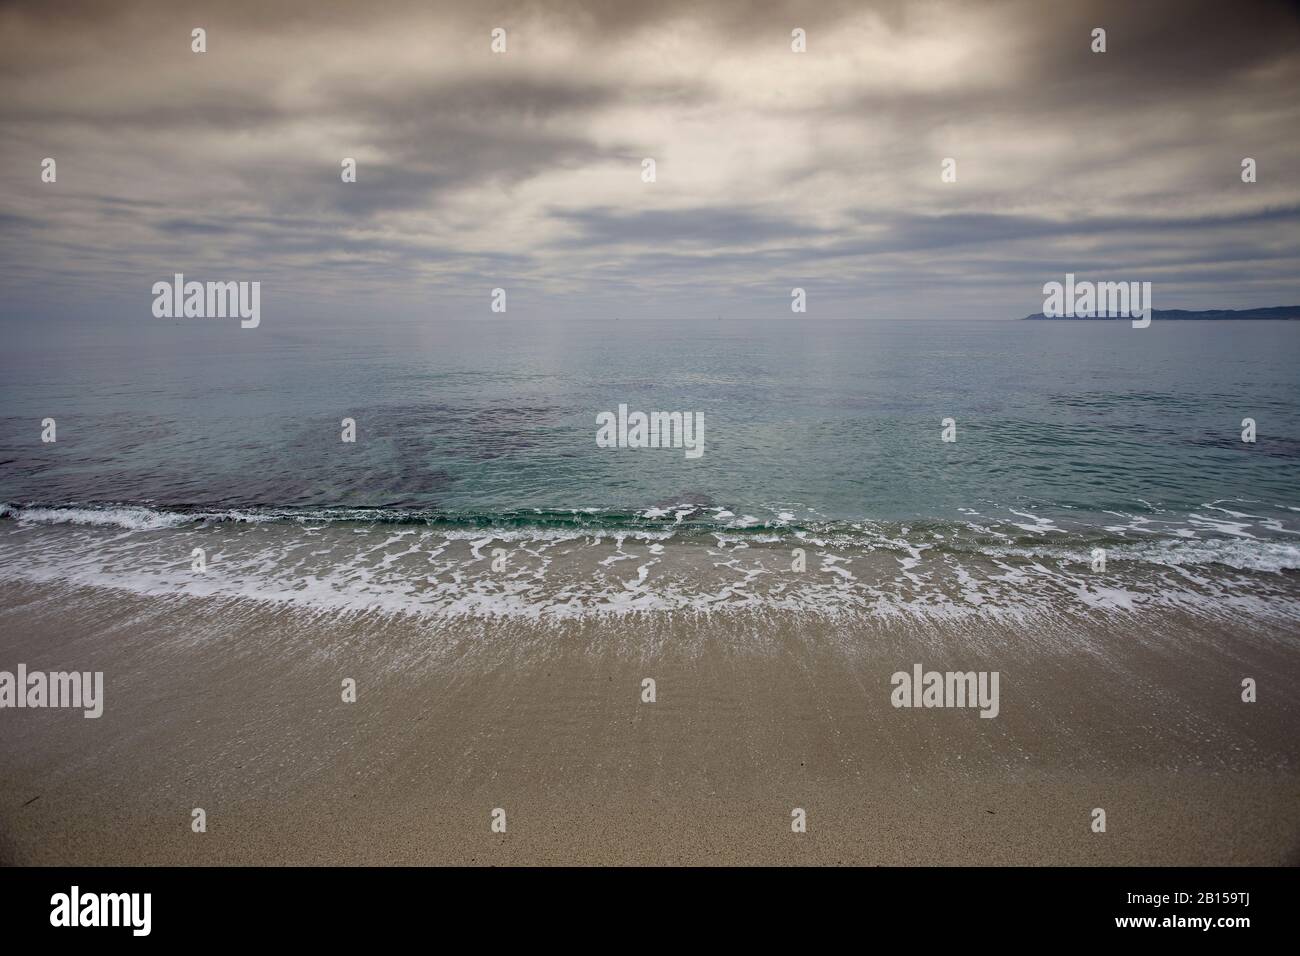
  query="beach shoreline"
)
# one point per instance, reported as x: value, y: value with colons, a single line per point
x: 235, y: 707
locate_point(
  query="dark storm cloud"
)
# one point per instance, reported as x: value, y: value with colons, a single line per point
x: 1202, y: 56
x: 743, y: 229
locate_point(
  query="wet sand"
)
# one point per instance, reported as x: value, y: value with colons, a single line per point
x: 235, y: 706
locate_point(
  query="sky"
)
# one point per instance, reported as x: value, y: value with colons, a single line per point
x: 523, y: 170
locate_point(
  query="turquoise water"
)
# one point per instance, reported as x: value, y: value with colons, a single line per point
x: 477, y: 441
x: 805, y: 421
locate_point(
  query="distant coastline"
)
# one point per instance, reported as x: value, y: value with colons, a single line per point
x: 1275, y: 312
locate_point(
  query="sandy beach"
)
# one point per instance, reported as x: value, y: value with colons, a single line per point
x: 235, y: 706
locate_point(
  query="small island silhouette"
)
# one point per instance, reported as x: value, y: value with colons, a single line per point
x: 1275, y: 312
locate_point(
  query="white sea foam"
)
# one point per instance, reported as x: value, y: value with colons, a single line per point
x: 866, y: 569
x: 130, y: 517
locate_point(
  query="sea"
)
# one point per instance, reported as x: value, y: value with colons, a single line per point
x: 1095, y: 468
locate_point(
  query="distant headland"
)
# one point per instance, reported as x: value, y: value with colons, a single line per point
x: 1276, y: 312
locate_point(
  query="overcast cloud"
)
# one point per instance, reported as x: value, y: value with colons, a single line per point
x: 523, y: 170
